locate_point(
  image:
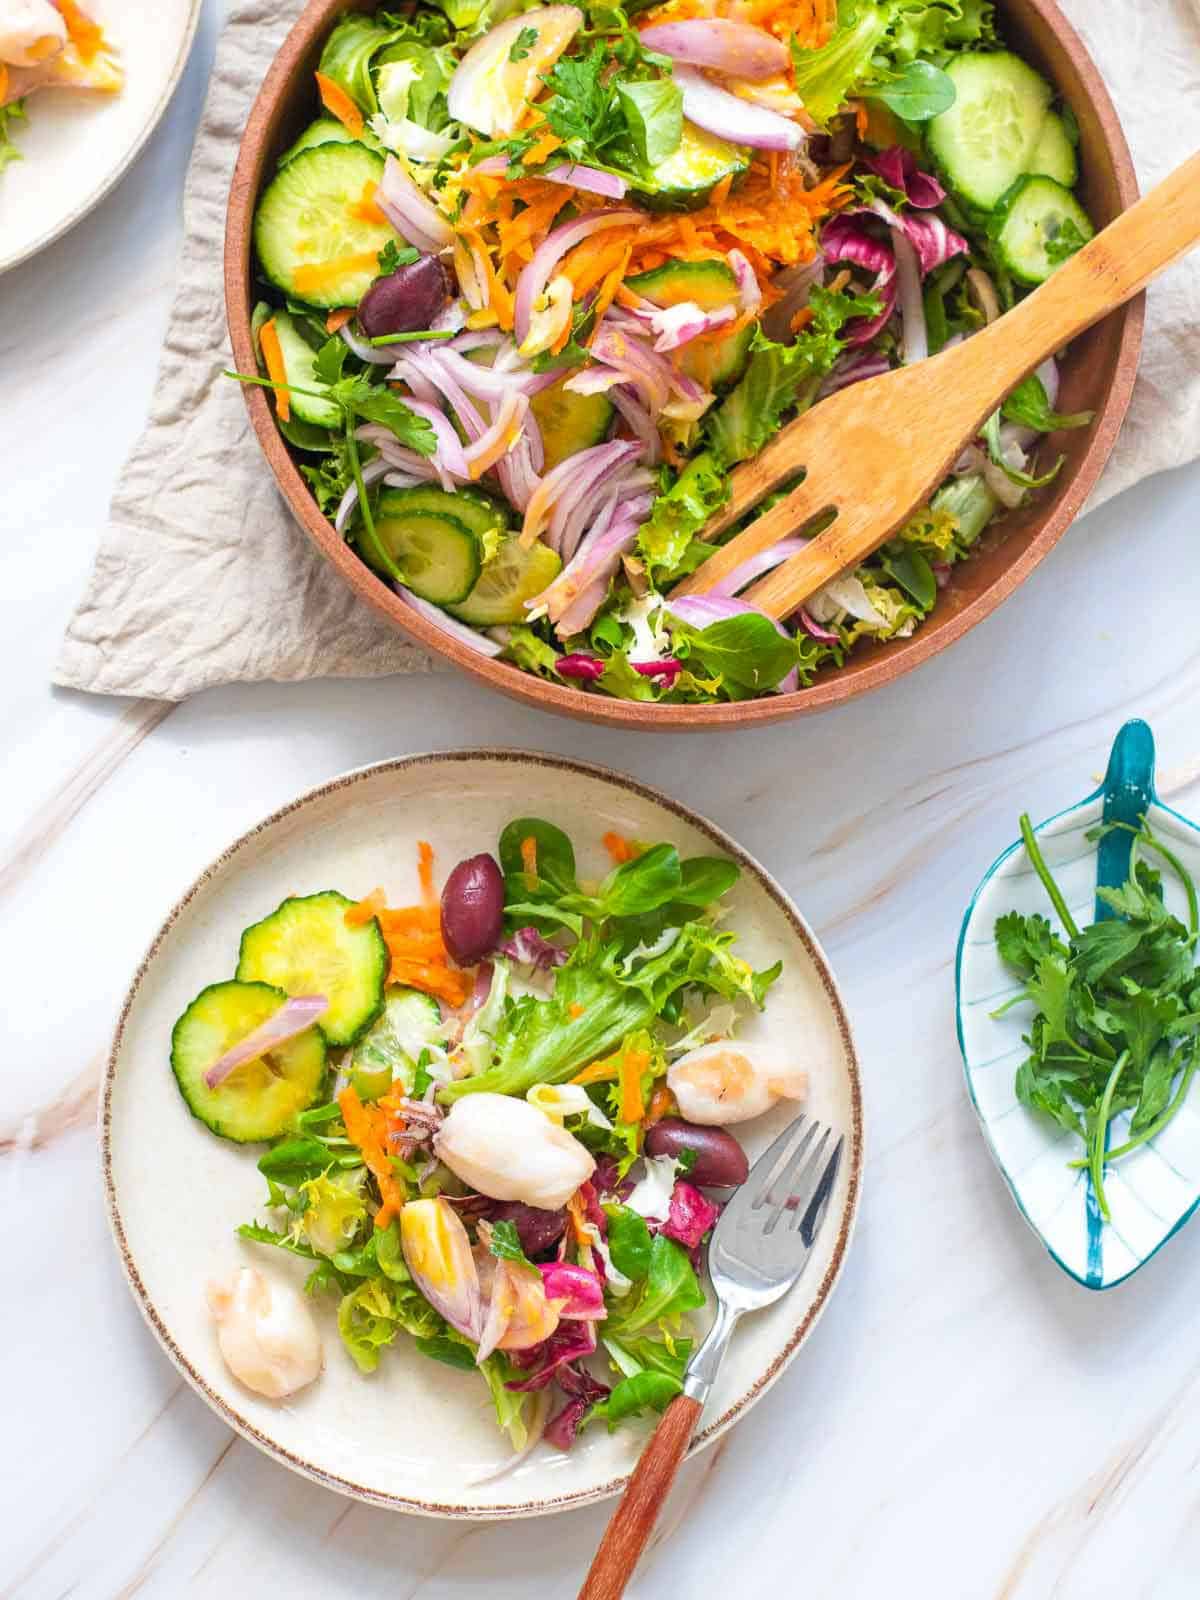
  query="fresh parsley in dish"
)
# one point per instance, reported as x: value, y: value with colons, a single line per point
x: 539, y: 279
x: 48, y: 44
x: 1116, y: 1024
x: 493, y: 1117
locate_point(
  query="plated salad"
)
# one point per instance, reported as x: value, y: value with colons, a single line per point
x: 496, y: 1122
x: 49, y: 44
x: 536, y: 280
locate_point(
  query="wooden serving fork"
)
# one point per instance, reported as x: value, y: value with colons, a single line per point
x: 875, y: 451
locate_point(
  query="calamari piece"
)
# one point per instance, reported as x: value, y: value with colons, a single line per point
x: 725, y: 1082
x: 266, y: 1333
x: 81, y: 58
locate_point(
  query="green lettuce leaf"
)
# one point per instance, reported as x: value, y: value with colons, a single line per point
x: 678, y: 515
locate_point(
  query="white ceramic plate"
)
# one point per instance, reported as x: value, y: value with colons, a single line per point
x: 76, y: 146
x: 416, y: 1435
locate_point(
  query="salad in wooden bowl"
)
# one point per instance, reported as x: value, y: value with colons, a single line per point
x: 529, y: 284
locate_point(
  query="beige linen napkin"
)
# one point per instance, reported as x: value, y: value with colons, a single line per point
x: 202, y: 577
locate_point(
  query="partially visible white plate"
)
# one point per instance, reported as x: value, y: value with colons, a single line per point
x: 76, y: 146
x: 418, y: 1436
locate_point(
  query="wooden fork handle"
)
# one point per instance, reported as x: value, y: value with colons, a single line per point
x: 633, y: 1521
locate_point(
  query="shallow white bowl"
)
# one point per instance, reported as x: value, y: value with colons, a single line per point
x: 76, y: 146
x: 418, y: 1436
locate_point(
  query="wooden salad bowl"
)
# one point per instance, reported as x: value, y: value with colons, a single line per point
x: 1097, y: 374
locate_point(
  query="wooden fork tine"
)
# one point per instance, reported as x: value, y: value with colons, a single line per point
x: 791, y: 513
x: 774, y: 465
x: 841, y: 545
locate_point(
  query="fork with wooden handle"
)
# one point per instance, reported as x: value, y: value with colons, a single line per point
x: 758, y: 1249
x: 876, y: 451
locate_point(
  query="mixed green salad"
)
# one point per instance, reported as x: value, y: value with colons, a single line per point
x: 494, y: 1119
x: 539, y: 278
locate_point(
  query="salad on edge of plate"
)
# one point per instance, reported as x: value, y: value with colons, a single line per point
x: 537, y: 279
x: 496, y: 1122
x: 49, y: 44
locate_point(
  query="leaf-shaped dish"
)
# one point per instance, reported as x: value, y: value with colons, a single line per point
x: 1153, y: 1191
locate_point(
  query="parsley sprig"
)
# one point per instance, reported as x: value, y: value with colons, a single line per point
x: 1116, y: 1023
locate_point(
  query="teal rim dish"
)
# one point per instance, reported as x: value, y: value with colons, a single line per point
x: 1153, y: 1191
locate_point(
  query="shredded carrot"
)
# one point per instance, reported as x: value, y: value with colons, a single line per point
x: 425, y: 872
x: 537, y: 153
x: 317, y: 275
x: 633, y: 1064
x: 802, y: 318
x: 575, y: 1010
x: 364, y: 209
x: 268, y: 338
x: 862, y: 119
x: 338, y: 319
x: 611, y: 284
x: 619, y: 848
x: 339, y: 104
x: 87, y: 36
x: 366, y: 1128
x: 721, y: 193
x: 599, y: 1071
x: 662, y: 1104
x: 3, y: 82
x: 529, y: 861
x: 366, y: 908
x: 577, y: 1212
x: 445, y: 983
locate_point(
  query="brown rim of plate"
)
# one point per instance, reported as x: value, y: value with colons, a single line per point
x: 1043, y: 30
x: 706, y: 1435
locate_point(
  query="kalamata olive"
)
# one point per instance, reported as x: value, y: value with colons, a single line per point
x: 473, y: 909
x: 536, y: 1229
x: 720, y: 1160
x: 407, y: 300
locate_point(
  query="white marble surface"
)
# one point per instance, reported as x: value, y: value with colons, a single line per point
x: 964, y: 1423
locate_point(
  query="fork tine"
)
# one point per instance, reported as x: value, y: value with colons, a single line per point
x: 801, y: 506
x: 803, y: 1164
x: 777, y: 1157
x: 773, y: 466
x: 811, y: 1218
x: 781, y: 1180
x: 833, y: 550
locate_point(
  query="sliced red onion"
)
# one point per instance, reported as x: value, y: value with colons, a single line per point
x: 699, y: 610
x: 579, y: 666
x: 449, y: 458
x: 848, y: 594
x: 428, y: 363
x: 510, y: 415
x: 814, y: 629
x: 592, y: 509
x: 679, y: 324
x: 534, y: 278
x: 853, y: 368
x: 637, y: 364
x: 749, y: 290
x: 379, y: 355
x: 575, y: 476
x: 535, y: 1426
x: 486, y: 383
x: 396, y: 454
x: 641, y: 422
x: 401, y: 480
x: 371, y: 473
x: 476, y: 339
x: 410, y: 372
x: 571, y: 175
x: 735, y: 48
x: 754, y: 567
x: 578, y: 592
x: 295, y: 1016
x: 440, y: 619
x: 410, y: 211
x: 734, y: 119
x: 915, y: 337
x: 1048, y: 373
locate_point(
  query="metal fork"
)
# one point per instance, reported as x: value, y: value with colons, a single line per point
x: 759, y: 1248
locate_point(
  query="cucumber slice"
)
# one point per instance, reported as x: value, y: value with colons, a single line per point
x: 325, y: 130
x: 309, y: 240
x: 434, y: 553
x: 570, y: 422
x: 306, y: 946
x: 299, y: 362
x: 1054, y: 153
x: 511, y: 577
x: 717, y: 360
x: 984, y: 142
x: 686, y: 179
x: 477, y: 510
x: 709, y: 284
x: 261, y: 1099
x: 1037, y: 225
x: 390, y: 1049
x: 304, y: 436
